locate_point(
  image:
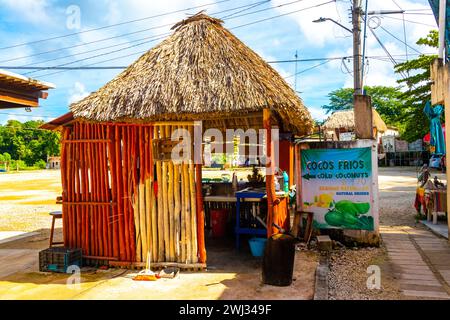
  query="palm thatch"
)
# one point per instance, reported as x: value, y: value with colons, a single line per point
x: 346, y: 120
x: 202, y: 71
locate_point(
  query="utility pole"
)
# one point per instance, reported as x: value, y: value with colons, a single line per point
x: 357, y: 57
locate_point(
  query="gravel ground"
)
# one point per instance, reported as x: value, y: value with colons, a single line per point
x: 348, y: 267
x: 348, y: 275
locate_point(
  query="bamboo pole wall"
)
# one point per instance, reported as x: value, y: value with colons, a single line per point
x: 122, y: 202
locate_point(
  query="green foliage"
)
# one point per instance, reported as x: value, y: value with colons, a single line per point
x: 401, y: 107
x: 418, y: 90
x: 387, y: 101
x: 25, y: 141
x: 40, y: 164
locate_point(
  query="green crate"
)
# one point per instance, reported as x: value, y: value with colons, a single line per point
x: 58, y: 259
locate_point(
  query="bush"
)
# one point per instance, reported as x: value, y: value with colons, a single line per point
x: 18, y: 163
x: 41, y: 164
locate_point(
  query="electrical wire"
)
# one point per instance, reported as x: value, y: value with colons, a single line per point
x: 410, y: 21
x: 285, y: 14
x: 403, y: 42
x: 102, y: 54
x: 308, y: 69
x: 152, y: 28
x: 27, y: 115
x: 251, y: 7
x: 236, y: 27
x: 112, y: 25
x: 114, y: 37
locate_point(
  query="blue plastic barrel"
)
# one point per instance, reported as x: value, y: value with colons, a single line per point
x: 257, y: 246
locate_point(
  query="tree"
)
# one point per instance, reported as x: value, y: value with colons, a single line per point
x: 417, y: 91
x: 27, y: 142
x: 387, y: 101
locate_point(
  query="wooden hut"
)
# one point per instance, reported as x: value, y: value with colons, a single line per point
x: 344, y: 122
x: 122, y: 196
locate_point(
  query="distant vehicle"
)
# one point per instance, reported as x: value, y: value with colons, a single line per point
x: 435, y: 161
x: 2, y: 170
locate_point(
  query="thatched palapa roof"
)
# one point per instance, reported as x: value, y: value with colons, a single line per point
x: 346, y: 120
x: 201, y: 71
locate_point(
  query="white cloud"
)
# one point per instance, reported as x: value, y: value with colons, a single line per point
x: 317, y: 113
x: 77, y: 93
x: 134, y: 9
x: 34, y: 11
x: 316, y: 34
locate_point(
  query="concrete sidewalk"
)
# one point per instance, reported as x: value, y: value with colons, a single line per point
x: 421, y: 261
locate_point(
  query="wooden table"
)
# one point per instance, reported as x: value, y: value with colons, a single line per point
x: 431, y: 201
x: 436, y: 202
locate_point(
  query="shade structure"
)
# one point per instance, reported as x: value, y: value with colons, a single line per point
x: 202, y: 71
x: 139, y: 201
x: 346, y: 120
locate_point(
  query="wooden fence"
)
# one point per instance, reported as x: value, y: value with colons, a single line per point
x: 121, y: 201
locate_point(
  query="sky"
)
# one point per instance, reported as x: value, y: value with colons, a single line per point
x: 114, y: 33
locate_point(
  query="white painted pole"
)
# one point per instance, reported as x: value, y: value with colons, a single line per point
x: 442, y: 13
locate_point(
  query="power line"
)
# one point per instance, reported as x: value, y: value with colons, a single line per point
x: 410, y: 21
x: 86, y: 67
x: 251, y: 7
x: 93, y: 50
x: 113, y: 37
x: 103, y: 54
x: 285, y: 14
x: 239, y: 26
x: 112, y: 25
x: 27, y: 115
x: 403, y: 42
x: 142, y: 30
x: 308, y: 69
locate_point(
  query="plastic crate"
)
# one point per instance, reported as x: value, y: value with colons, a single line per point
x: 58, y: 259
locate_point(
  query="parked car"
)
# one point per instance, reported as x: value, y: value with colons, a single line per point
x: 435, y: 161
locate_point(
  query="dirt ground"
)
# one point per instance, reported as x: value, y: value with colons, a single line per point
x: 397, y: 186
x: 348, y: 268
x: 25, y: 200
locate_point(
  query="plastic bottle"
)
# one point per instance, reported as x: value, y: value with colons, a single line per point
x: 286, y: 182
x: 277, y: 185
x: 234, y: 182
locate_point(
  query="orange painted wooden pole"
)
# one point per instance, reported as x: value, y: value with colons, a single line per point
x: 104, y: 193
x: 65, y: 135
x: 131, y: 174
x: 77, y: 187
x: 119, y: 189
x: 122, y: 160
x: 270, y: 170
x: 70, y: 173
x: 200, y: 216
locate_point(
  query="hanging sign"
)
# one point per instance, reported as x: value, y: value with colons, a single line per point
x: 337, y: 187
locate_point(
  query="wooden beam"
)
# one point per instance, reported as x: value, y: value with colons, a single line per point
x: 18, y: 99
x: 270, y: 170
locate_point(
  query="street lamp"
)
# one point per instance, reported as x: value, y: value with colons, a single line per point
x: 321, y: 19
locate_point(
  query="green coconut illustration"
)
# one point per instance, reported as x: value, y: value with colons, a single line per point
x: 350, y: 215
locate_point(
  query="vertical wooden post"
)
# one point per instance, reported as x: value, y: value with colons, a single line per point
x: 446, y: 86
x: 440, y: 95
x: 363, y: 117
x: 270, y: 171
x: 64, y: 160
x: 200, y: 215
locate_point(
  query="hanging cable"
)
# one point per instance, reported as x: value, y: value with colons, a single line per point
x: 112, y: 25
